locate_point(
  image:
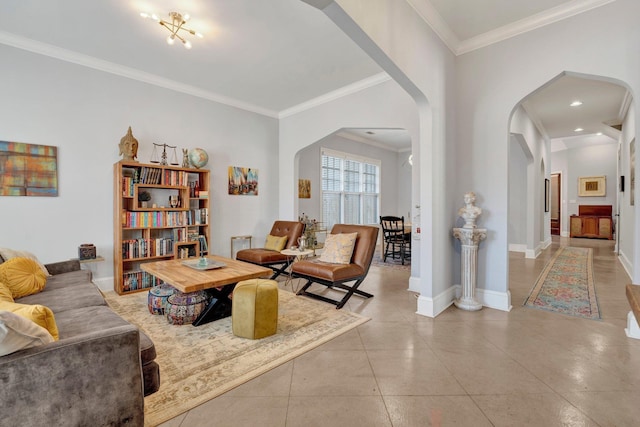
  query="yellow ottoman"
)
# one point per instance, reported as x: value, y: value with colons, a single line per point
x: 254, y: 312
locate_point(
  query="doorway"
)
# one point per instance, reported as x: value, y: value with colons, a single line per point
x: 555, y: 203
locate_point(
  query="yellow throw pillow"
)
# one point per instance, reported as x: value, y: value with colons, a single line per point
x: 5, y: 293
x: 275, y: 243
x: 338, y: 248
x: 38, y: 314
x: 22, y: 276
x: 8, y: 254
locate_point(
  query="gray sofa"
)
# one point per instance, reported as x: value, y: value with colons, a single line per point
x: 96, y: 374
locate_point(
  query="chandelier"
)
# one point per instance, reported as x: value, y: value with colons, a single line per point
x: 175, y: 26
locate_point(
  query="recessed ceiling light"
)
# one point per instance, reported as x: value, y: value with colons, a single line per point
x: 576, y: 104
x: 370, y: 133
x: 578, y: 130
x: 599, y: 133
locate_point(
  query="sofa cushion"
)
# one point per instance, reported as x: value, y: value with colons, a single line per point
x: 8, y: 254
x: 61, y: 295
x: 22, y: 276
x: 275, y: 243
x: 18, y: 333
x: 39, y: 314
x: 338, y: 248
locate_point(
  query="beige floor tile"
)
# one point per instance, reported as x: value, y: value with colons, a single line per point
x: 276, y: 382
x: 395, y: 372
x: 379, y: 335
x: 227, y: 411
x: 620, y: 409
x: 435, y: 411
x: 333, y: 373
x: 337, y: 411
x: 539, y: 410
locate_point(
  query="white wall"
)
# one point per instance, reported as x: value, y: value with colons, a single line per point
x: 627, y: 243
x: 84, y: 113
x: 518, y: 165
x: 492, y: 80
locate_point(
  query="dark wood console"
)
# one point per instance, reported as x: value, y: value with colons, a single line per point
x: 593, y: 221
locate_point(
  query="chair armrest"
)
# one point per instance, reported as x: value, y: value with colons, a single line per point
x: 63, y: 267
x: 91, y: 379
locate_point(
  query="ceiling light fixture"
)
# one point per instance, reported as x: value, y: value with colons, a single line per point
x: 575, y: 104
x: 578, y: 130
x: 175, y: 25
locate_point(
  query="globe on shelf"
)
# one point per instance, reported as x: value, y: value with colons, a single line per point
x: 198, y: 157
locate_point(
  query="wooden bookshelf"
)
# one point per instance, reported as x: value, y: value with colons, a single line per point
x: 156, y: 231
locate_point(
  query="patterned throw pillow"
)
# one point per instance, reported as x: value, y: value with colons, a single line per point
x: 22, y: 276
x: 338, y: 248
x: 275, y: 243
x: 17, y: 333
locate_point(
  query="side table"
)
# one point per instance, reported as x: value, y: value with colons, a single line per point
x: 295, y: 255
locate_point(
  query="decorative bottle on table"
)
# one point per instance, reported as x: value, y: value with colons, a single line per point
x: 470, y: 237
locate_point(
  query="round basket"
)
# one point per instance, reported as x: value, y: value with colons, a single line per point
x: 184, y: 308
x: 157, y: 298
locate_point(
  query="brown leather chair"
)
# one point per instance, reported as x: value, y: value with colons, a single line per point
x: 336, y: 275
x: 270, y: 258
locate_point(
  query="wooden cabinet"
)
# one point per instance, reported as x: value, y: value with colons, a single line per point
x: 172, y: 224
x: 594, y: 221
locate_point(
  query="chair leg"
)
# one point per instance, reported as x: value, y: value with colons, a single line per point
x: 279, y: 271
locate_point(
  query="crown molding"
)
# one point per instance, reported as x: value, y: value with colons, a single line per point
x: 338, y: 93
x: 364, y: 140
x: 45, y: 49
x: 532, y: 22
x: 624, y: 106
x: 430, y: 15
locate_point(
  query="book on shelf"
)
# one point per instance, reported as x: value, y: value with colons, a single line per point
x: 203, y: 194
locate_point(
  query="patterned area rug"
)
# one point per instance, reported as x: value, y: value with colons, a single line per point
x: 200, y: 363
x: 566, y: 285
x: 390, y: 263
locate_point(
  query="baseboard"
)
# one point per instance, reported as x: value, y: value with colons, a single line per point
x: 626, y: 264
x: 494, y: 299
x: 431, y: 307
x: 546, y: 243
x: 532, y: 253
x: 517, y: 247
x: 564, y: 234
x: 104, y: 283
x: 632, y: 330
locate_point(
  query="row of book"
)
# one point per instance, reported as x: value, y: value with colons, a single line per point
x: 132, y: 219
x: 144, y: 248
x: 134, y: 280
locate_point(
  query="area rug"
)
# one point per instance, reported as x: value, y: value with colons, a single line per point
x: 390, y: 263
x: 200, y: 363
x: 566, y: 284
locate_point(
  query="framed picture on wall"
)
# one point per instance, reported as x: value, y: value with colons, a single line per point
x: 547, y: 195
x: 592, y: 186
x: 304, y: 188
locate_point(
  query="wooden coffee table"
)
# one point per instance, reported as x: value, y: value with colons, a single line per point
x: 219, y: 282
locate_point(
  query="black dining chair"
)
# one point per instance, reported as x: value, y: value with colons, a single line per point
x: 397, y: 241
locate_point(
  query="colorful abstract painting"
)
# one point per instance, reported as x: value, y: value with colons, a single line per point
x: 243, y: 181
x: 28, y: 169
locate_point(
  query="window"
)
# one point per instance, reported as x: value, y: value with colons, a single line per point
x: 350, y: 189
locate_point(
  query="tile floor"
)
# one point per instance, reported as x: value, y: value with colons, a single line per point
x: 526, y: 367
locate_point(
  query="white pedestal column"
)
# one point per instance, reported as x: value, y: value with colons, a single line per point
x: 470, y: 239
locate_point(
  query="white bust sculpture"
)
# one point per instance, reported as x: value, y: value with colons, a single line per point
x: 469, y: 212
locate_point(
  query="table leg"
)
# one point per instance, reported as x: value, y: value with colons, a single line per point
x: 219, y: 305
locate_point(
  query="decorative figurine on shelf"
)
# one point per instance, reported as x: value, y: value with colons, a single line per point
x: 185, y: 158
x: 143, y: 198
x: 469, y: 212
x: 129, y: 147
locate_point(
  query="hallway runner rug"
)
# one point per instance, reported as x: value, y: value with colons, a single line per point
x: 566, y: 285
x: 200, y: 363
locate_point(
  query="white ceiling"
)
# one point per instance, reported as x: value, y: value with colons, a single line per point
x: 273, y: 57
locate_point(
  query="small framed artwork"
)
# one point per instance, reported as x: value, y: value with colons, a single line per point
x: 547, y: 195
x: 243, y: 181
x: 592, y: 186
x: 304, y: 188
